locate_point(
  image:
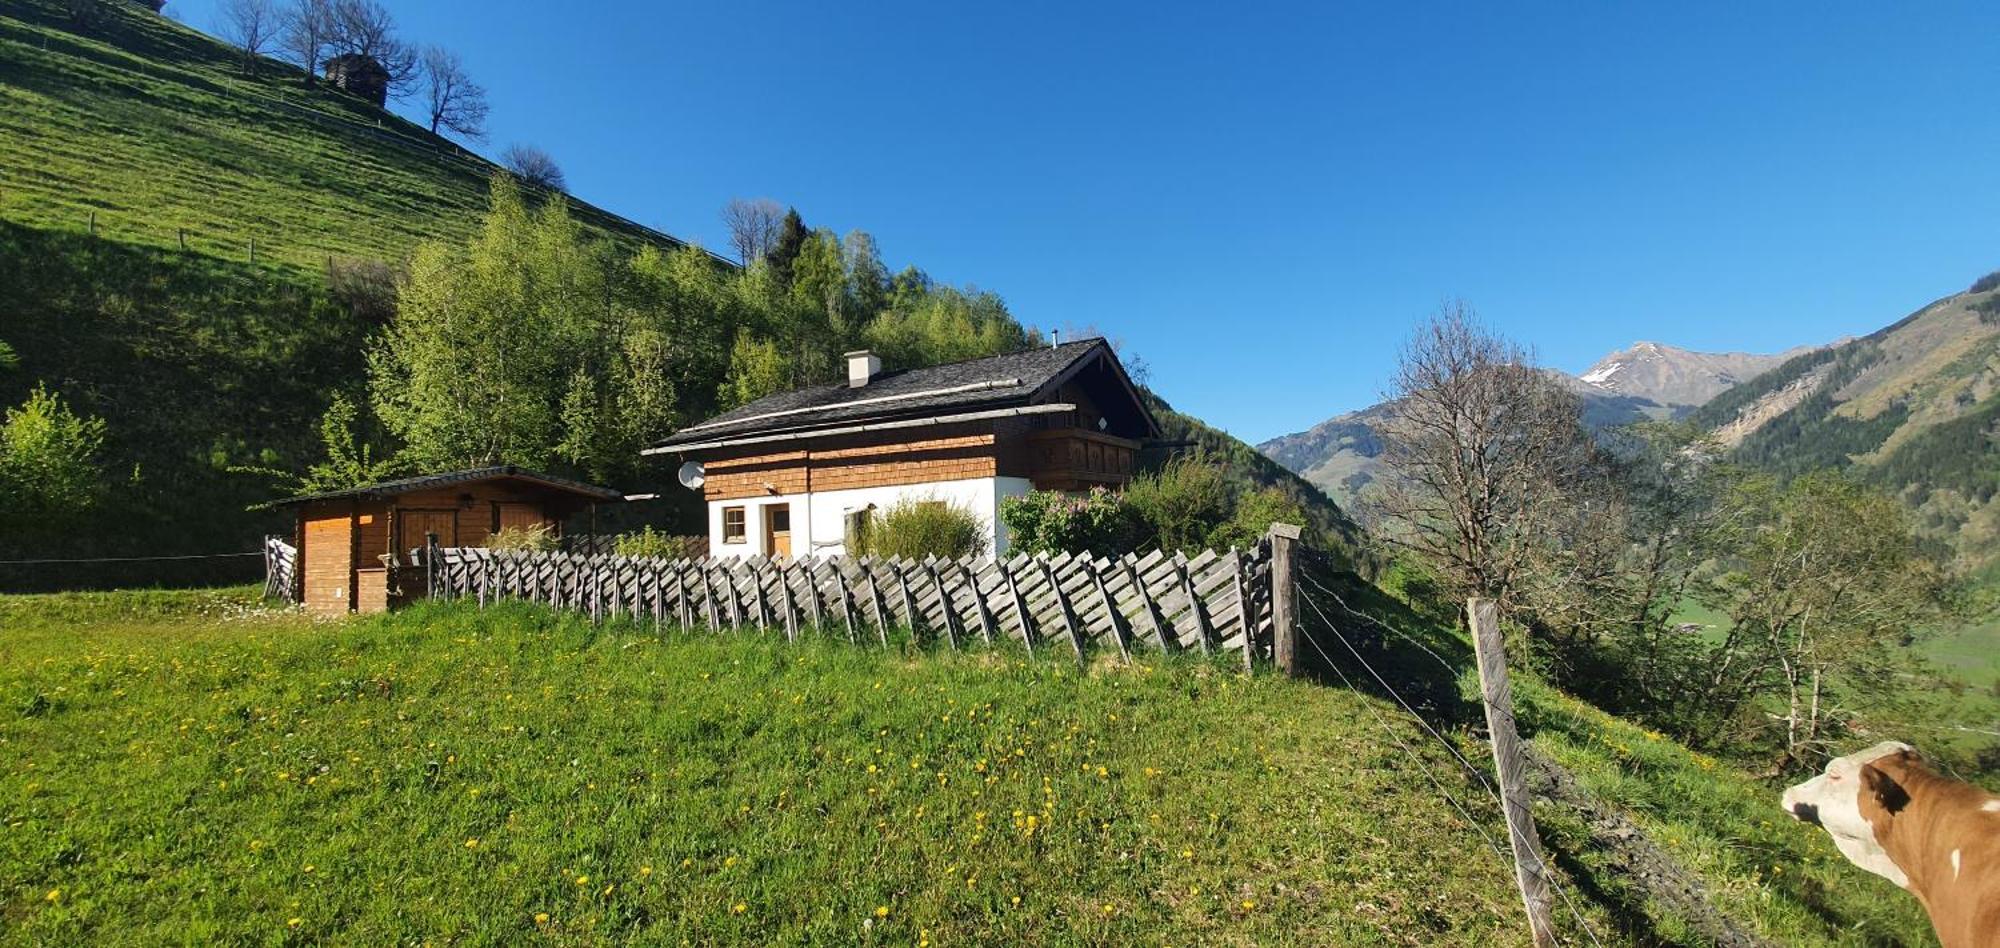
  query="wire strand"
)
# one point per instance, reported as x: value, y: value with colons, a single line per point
x: 1541, y: 864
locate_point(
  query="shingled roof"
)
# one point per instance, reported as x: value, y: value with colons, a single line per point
x: 1015, y: 379
x: 406, y: 485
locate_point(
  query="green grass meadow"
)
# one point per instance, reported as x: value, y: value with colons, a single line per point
x: 193, y: 768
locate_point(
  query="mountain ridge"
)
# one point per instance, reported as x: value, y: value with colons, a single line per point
x: 1645, y: 381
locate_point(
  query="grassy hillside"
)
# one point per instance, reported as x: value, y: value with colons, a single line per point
x: 190, y: 765
x: 155, y: 127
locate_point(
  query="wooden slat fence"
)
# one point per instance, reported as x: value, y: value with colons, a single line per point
x: 281, y: 570
x: 1214, y: 603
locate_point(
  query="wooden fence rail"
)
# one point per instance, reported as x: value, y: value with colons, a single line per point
x: 1215, y: 603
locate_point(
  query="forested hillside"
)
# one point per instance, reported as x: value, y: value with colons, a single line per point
x: 227, y: 284
x: 1911, y: 407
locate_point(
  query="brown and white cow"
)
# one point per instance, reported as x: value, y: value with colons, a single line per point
x: 1935, y: 836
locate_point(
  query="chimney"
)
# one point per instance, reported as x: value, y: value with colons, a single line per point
x: 862, y: 367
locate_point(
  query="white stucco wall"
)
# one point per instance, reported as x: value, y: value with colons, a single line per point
x: 818, y: 519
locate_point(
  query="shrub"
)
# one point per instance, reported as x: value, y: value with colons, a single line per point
x: 1987, y: 282
x: 653, y: 544
x: 914, y: 529
x: 539, y: 538
x: 1254, y: 515
x: 1183, y: 505
x: 1044, y: 521
x: 48, y: 462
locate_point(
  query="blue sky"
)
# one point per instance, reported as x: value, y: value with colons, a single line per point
x: 1259, y: 200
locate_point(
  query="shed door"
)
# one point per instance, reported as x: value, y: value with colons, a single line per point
x: 516, y: 516
x: 413, y: 525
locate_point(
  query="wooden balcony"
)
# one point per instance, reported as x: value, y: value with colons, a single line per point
x: 1075, y: 459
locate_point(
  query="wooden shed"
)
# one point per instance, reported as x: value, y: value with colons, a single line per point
x: 352, y: 542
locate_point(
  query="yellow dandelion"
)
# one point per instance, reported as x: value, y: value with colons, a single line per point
x: 645, y: 870
x: 472, y: 843
x: 55, y: 895
x: 1249, y: 904
x: 541, y: 918
x: 1109, y: 908
x: 294, y: 922
x: 1187, y: 854
x: 309, y: 867
x: 739, y: 908
x: 582, y: 880
x: 882, y: 911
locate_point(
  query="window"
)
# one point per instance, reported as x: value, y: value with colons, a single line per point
x: 732, y: 525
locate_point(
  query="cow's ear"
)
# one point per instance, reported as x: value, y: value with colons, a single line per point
x: 1886, y: 790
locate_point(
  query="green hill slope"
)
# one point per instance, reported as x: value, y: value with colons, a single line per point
x: 138, y: 166
x: 155, y: 127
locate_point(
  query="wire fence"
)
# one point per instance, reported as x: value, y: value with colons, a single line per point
x: 1317, y: 597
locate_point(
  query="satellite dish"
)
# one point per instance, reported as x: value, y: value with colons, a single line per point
x: 691, y: 475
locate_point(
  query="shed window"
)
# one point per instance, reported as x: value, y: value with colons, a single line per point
x: 733, y: 525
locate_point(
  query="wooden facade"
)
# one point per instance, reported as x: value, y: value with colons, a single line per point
x: 353, y: 546
x: 1050, y: 454
x: 786, y: 475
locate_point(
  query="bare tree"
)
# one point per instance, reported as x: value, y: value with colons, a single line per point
x: 306, y: 30
x: 252, y: 25
x: 365, y: 28
x: 454, y: 101
x: 1479, y: 446
x: 753, y: 226
x: 534, y: 167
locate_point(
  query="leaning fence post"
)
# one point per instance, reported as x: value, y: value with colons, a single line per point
x: 1284, y: 600
x: 1508, y: 762
x: 430, y: 564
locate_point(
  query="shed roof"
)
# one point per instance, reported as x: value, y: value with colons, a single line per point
x: 1013, y: 379
x: 451, y: 478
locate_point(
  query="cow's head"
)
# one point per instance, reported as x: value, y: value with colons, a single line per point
x: 1854, y: 801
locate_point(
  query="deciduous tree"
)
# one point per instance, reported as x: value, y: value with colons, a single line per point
x: 753, y: 226
x: 253, y: 26
x: 453, y: 101
x: 306, y: 30
x: 1479, y: 441
x: 366, y: 28
x: 534, y: 167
